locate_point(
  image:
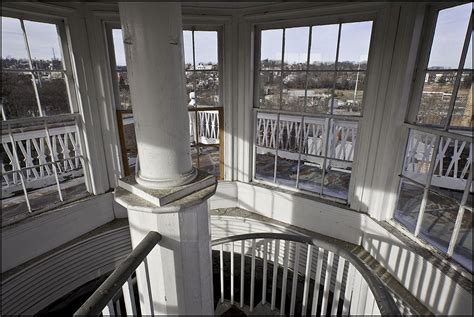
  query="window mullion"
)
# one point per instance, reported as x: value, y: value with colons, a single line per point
x: 281, y: 68
x: 30, y: 61
x: 424, y: 201
x: 307, y: 68
x: 457, y: 81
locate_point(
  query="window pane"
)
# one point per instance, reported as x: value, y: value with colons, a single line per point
x: 119, y: 49
x: 130, y: 140
x: 293, y: 91
x: 349, y: 93
x: 287, y: 168
x: 408, y: 206
x: 44, y: 45
x: 337, y: 179
x: 190, y: 93
x: 209, y: 159
x: 271, y: 49
x: 462, y: 113
x: 439, y: 218
x: 289, y: 133
x: 296, y: 48
x: 354, y: 45
x: 311, y: 173
x: 18, y: 96
x: 205, y: 46
x: 14, y: 54
x: 52, y: 92
x: 463, y: 249
x: 320, y: 90
x: 448, y: 40
x: 468, y: 61
x: 314, y: 136
x: 323, y: 47
x: 270, y: 89
x: 437, y: 92
x: 452, y: 165
x: 208, y: 127
x: 418, y: 156
x: 264, y: 164
x: 207, y: 88
x: 342, y: 140
x: 124, y: 91
x: 266, y: 130
x: 188, y: 49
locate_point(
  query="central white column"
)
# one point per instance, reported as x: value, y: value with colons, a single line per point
x: 155, y: 65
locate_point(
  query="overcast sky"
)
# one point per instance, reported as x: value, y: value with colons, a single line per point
x: 355, y: 38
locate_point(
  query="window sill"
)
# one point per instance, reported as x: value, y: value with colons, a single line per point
x: 448, y: 266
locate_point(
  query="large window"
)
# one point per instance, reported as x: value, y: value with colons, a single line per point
x: 41, y: 152
x: 310, y: 88
x: 202, y: 95
x: 436, y: 190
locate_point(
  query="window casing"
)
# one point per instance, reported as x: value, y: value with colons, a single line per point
x: 308, y: 103
x: 42, y: 157
x: 435, y: 193
x: 203, y: 96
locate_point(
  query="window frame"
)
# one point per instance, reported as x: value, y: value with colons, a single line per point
x: 75, y: 115
x: 373, y: 16
x: 414, y: 103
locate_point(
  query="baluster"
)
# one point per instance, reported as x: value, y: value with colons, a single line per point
x: 348, y: 290
x: 264, y: 273
x: 337, y: 288
x: 285, y: 277
x: 242, y: 271
x: 275, y: 272
x: 252, y: 277
x: 232, y: 275
x: 221, y: 268
x: 327, y: 283
x: 317, y: 281
x: 129, y: 297
x: 307, y: 278
x: 109, y: 309
x: 295, y: 279
x: 370, y: 302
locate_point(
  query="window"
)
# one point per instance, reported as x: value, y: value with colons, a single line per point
x: 435, y: 194
x: 310, y: 88
x: 41, y: 156
x: 203, y: 98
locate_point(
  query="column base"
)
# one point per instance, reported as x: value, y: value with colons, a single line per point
x: 160, y: 184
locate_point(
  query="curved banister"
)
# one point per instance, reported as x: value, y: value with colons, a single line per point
x: 383, y: 298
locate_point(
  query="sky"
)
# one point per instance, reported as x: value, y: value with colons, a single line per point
x: 355, y: 38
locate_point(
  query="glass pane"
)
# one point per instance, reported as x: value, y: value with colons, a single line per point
x: 452, y: 164
x: 337, y: 179
x: 296, y: 48
x: 289, y: 134
x: 463, y: 248
x: 209, y: 158
x: 354, y: 45
x: 266, y: 130
x: 194, y: 157
x: 44, y: 45
x: 349, y: 93
x: 323, y: 47
x: 293, y: 91
x: 130, y: 140
x: 52, y: 92
x: 314, y: 136
x: 205, y: 50
x: 119, y: 49
x: 462, y: 113
x: 264, y: 164
x: 188, y: 49
x: 287, y: 168
x: 271, y: 49
x: 18, y: 96
x: 439, y: 218
x: 468, y: 61
x: 190, y: 93
x: 14, y: 54
x: 270, y: 89
x: 207, y: 88
x: 449, y: 36
x: 437, y: 92
x: 208, y: 127
x: 311, y: 173
x: 408, y: 205
x: 418, y: 156
x: 342, y: 140
x: 124, y: 91
x: 320, y: 91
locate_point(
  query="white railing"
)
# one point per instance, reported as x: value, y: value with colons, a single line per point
x: 307, y: 133
x: 39, y: 158
x: 452, y: 162
x: 208, y: 123
x: 298, y: 275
